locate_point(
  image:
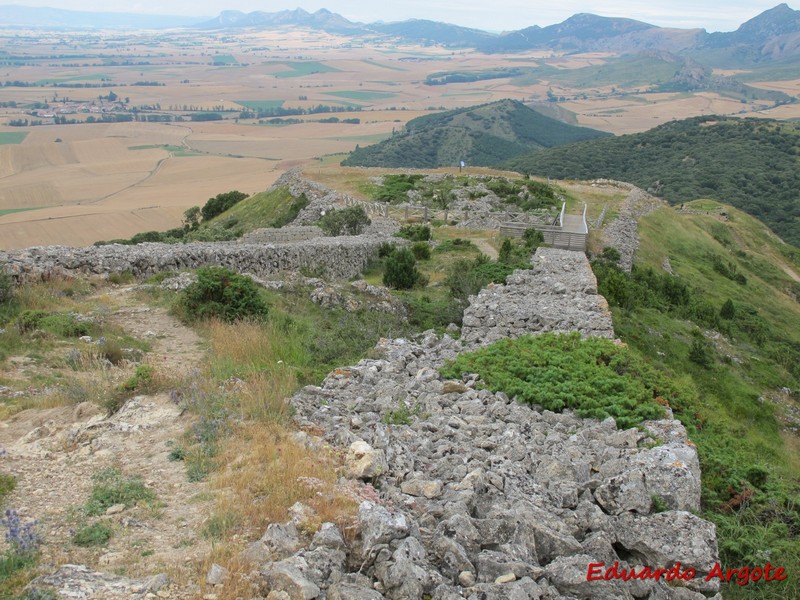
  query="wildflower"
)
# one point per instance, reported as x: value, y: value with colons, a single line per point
x: 22, y: 537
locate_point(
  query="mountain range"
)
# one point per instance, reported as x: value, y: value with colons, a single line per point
x: 774, y: 35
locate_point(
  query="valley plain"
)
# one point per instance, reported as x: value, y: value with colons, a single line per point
x: 137, y: 127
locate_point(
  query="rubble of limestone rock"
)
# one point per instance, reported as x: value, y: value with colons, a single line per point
x: 479, y: 496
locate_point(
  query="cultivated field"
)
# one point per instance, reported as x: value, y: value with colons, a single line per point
x: 278, y: 99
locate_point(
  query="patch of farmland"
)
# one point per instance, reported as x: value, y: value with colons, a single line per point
x: 12, y: 137
x: 224, y: 59
x: 302, y: 68
x: 20, y: 158
x: 382, y: 65
x: 28, y: 195
x: 10, y: 211
x: 260, y: 104
x: 362, y: 94
x: 83, y: 77
x: 156, y: 204
x: 637, y: 116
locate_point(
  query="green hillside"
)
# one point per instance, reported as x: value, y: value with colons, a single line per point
x: 483, y: 135
x: 724, y: 327
x: 749, y: 163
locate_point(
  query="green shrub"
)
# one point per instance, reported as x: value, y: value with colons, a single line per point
x: 346, y: 221
x: 455, y: 245
x: 395, y: 188
x: 610, y: 254
x: 421, y: 250
x: 594, y: 377
x: 7, y: 484
x: 221, y: 293
x: 29, y: 320
x: 466, y: 278
x: 504, y: 256
x: 425, y: 312
x: 385, y: 249
x: 401, y: 270
x: 96, y: 534
x: 402, y: 415
x: 214, y: 233
x: 141, y: 378
x: 728, y: 310
x: 700, y: 353
x: 64, y: 325
x: 112, y: 487
x: 415, y: 233
x: 533, y: 238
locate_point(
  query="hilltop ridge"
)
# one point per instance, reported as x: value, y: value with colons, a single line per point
x: 483, y: 135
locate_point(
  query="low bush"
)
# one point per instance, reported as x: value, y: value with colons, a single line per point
x: 415, y: 233
x: 95, y: 534
x: 59, y: 324
x: 346, y: 221
x: 401, y: 270
x: 466, y: 278
x: 112, y: 487
x: 455, y: 245
x: 7, y: 484
x: 593, y: 377
x: 223, y: 294
x: 66, y: 326
x: 421, y: 250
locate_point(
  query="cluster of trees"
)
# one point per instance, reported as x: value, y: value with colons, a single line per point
x: 471, y: 76
x: 279, y: 111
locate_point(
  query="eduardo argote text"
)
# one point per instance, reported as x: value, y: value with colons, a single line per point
x: 742, y: 576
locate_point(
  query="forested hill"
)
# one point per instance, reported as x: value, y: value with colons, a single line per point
x: 484, y: 135
x: 749, y: 163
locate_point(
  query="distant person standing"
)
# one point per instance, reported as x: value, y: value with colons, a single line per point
x: 461, y: 165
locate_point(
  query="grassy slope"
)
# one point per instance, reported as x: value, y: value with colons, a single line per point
x: 740, y: 432
x: 259, y: 210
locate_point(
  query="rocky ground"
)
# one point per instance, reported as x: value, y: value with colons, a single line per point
x: 55, y: 452
x: 472, y: 495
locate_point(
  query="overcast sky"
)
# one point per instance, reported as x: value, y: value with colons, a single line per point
x: 496, y: 15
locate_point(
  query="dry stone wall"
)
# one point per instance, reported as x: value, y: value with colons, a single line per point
x: 558, y: 294
x: 622, y: 232
x: 480, y: 496
x: 339, y: 257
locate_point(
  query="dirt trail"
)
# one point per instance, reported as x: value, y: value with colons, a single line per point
x: 54, y: 452
x: 486, y: 248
